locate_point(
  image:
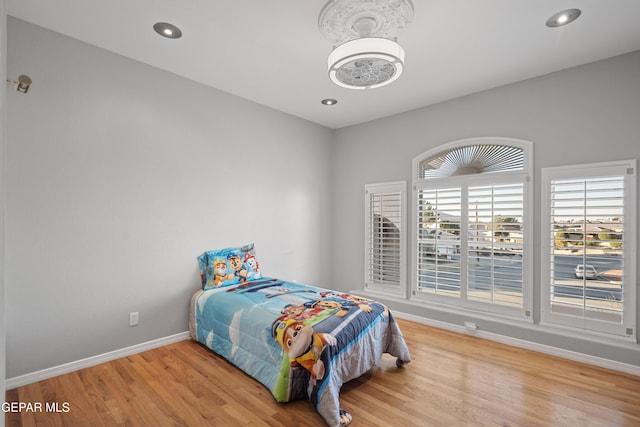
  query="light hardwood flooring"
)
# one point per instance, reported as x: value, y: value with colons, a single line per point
x: 453, y: 380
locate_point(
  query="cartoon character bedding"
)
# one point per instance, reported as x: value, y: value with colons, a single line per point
x: 299, y: 341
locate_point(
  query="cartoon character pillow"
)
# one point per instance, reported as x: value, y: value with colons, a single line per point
x: 224, y: 267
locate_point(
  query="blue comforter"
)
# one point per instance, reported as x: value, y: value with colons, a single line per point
x: 299, y: 341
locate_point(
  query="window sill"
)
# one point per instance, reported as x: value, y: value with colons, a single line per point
x: 447, y: 308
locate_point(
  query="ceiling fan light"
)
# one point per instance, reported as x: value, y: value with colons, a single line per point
x: 366, y: 63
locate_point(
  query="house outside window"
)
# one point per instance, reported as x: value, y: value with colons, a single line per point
x: 472, y: 240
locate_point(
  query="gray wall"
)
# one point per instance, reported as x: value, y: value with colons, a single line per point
x: 120, y: 175
x: 581, y: 115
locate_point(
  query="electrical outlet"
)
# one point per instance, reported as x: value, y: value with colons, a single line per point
x: 471, y: 326
x: 133, y: 318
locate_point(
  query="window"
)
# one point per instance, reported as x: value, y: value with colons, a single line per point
x: 385, y: 241
x: 588, y: 239
x: 472, y: 234
x: 439, y: 215
x: 496, y: 244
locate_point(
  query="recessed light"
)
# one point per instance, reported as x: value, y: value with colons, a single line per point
x: 329, y: 101
x: 167, y: 30
x: 563, y: 18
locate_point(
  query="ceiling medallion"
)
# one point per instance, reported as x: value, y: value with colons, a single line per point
x: 366, y: 54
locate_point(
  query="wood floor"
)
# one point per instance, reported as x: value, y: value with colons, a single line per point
x: 453, y: 380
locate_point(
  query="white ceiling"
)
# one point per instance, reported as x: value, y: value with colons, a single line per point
x: 273, y: 53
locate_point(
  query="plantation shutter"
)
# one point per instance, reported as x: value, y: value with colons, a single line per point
x: 385, y: 237
x: 471, y: 211
x: 439, y: 268
x: 588, y: 244
x: 496, y: 244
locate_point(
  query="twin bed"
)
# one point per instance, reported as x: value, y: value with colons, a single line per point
x: 299, y: 341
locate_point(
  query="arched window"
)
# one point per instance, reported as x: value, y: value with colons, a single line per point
x: 472, y: 227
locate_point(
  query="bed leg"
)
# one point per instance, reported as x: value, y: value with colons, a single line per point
x: 345, y: 418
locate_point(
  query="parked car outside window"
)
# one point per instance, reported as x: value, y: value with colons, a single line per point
x: 586, y: 271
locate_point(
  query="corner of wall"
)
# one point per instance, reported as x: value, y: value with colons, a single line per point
x: 3, y: 127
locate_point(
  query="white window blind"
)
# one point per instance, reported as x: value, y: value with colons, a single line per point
x: 472, y: 240
x: 439, y: 215
x: 590, y: 235
x: 496, y: 244
x: 385, y: 240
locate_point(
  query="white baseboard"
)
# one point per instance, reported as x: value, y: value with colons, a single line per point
x: 92, y: 361
x: 542, y: 348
